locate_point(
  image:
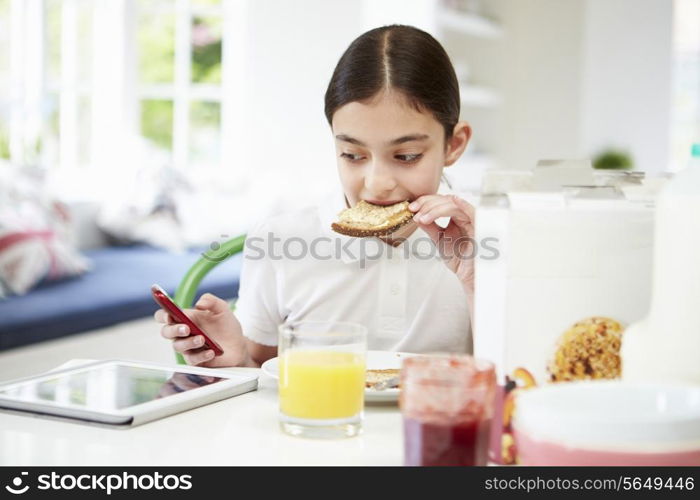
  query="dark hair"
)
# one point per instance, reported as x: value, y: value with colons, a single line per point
x: 399, y: 58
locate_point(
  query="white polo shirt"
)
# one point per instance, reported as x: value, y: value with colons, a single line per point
x: 296, y: 268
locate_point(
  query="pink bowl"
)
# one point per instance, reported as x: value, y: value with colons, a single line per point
x: 608, y: 423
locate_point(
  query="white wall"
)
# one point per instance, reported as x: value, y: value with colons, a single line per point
x: 542, y: 80
x: 418, y: 13
x: 583, y: 75
x: 292, y: 50
x: 627, y: 79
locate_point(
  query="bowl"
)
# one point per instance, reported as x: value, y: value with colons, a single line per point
x: 608, y: 423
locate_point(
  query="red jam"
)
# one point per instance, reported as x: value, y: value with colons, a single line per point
x: 436, y: 444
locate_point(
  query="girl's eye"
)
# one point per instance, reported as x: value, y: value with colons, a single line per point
x: 408, y: 158
x: 352, y: 157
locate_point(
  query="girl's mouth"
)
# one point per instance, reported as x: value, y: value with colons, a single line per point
x: 383, y: 203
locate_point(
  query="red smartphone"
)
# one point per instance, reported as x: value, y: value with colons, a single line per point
x: 180, y: 317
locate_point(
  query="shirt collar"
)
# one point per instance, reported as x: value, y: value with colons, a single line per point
x: 419, y: 242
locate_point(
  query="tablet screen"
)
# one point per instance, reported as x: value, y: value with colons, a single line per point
x: 108, y: 387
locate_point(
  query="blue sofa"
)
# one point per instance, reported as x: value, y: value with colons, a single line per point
x: 116, y: 289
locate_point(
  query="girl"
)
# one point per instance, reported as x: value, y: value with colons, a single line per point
x: 393, y: 107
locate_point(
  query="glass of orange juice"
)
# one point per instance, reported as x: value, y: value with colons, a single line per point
x: 322, y: 378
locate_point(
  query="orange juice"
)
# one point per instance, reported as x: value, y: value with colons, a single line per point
x: 321, y: 384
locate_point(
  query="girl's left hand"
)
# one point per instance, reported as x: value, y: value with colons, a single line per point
x: 456, y: 241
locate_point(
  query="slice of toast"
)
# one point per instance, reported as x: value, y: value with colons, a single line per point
x: 364, y: 219
x: 375, y: 376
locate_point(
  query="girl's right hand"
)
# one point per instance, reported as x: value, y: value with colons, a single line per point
x: 212, y: 315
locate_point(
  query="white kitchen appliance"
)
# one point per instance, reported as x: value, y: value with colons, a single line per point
x: 565, y: 252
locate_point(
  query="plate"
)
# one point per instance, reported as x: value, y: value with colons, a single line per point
x: 376, y: 360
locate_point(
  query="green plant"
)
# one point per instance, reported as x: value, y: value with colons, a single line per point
x: 157, y: 121
x: 206, y: 50
x: 612, y: 159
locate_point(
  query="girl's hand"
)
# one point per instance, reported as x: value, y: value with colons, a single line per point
x: 212, y: 315
x: 456, y: 241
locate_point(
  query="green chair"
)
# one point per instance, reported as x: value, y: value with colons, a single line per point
x: 187, y: 289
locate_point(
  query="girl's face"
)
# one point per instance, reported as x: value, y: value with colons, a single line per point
x: 388, y: 152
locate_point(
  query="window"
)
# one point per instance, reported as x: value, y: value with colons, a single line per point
x: 179, y: 79
x: 86, y: 85
x: 4, y: 79
x: 685, y: 121
x: 22, y: 81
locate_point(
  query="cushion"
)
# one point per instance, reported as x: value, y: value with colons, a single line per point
x: 35, y: 235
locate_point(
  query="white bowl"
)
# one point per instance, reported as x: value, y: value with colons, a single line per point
x: 608, y: 423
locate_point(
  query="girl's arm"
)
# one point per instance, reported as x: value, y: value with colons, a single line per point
x: 260, y: 353
x: 470, y: 305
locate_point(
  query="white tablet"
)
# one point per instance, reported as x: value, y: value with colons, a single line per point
x: 122, y: 393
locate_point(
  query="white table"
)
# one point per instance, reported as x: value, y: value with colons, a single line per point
x: 243, y: 430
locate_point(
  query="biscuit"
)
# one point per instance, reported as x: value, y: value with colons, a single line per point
x: 589, y: 350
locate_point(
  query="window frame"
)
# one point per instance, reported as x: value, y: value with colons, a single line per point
x: 182, y: 91
x: 114, y: 89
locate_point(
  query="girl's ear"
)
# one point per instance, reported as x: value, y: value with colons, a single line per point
x: 458, y: 142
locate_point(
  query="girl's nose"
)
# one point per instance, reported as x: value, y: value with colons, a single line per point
x: 378, y: 179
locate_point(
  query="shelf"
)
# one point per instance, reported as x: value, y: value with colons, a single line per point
x: 469, y: 24
x: 480, y: 97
